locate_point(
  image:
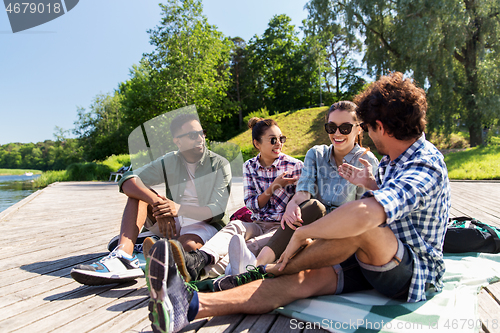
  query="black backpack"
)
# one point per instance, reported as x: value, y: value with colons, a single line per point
x: 466, y: 234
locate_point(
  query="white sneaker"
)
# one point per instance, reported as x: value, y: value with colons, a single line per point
x: 117, y: 267
x: 239, y: 255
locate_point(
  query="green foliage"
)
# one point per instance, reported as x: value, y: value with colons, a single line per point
x: 101, y: 130
x: 9, y: 172
x: 190, y: 65
x: 303, y: 128
x: 451, y: 47
x: 474, y: 163
x: 47, y: 155
x: 49, y: 177
x: 88, y: 171
x: 336, y: 48
x: 115, y: 162
x: 261, y: 113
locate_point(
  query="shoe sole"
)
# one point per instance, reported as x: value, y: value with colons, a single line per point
x: 147, y: 245
x: 180, y: 260
x: 97, y: 279
x: 160, y: 307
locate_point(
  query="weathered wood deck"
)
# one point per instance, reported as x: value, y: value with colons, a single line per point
x: 48, y: 233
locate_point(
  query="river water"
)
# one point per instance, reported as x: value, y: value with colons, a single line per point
x: 14, y: 189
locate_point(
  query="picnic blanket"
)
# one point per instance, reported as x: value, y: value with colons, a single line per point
x: 452, y: 309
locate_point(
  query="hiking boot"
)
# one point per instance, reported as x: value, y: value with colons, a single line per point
x: 147, y: 245
x: 113, y: 243
x: 117, y: 267
x: 190, y: 263
x: 231, y: 281
x: 169, y: 305
x: 239, y: 255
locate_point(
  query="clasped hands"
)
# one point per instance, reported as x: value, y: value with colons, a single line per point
x: 164, y: 211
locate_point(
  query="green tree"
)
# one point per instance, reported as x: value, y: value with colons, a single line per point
x: 190, y: 65
x: 449, y: 46
x: 100, y: 128
x: 337, y: 47
x: 281, y: 68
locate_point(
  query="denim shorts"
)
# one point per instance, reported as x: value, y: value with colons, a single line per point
x: 392, y: 279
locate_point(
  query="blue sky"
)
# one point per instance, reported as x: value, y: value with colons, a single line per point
x: 48, y: 71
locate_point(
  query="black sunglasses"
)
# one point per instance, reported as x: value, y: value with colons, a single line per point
x: 364, y: 126
x: 344, y: 129
x: 274, y: 139
x: 193, y: 135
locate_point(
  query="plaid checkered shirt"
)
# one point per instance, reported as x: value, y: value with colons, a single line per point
x: 256, y: 179
x: 414, y: 190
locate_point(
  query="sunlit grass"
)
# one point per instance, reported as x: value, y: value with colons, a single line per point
x: 474, y: 163
x: 15, y: 172
x: 49, y: 177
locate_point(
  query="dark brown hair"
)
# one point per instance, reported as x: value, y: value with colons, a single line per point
x: 349, y: 107
x: 259, y: 126
x: 398, y: 103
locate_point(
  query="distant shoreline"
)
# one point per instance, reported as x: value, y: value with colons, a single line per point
x: 18, y: 172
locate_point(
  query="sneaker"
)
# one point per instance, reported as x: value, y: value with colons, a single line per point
x: 190, y: 263
x: 239, y: 255
x: 114, y: 268
x: 170, y: 296
x: 147, y: 245
x: 113, y: 243
x: 231, y: 281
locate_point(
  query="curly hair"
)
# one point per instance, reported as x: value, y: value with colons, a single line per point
x: 398, y: 103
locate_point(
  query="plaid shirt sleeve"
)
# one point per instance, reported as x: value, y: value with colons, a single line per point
x: 250, y: 193
x: 414, y: 189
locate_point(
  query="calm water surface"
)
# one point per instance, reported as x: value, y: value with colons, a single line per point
x: 14, y: 189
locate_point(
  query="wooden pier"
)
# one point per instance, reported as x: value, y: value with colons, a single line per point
x: 46, y: 234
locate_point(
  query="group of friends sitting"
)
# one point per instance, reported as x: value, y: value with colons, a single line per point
x: 336, y: 223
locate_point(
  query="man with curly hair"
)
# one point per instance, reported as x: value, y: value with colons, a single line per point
x: 390, y: 240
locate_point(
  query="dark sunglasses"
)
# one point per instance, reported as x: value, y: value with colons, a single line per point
x: 193, y: 135
x: 274, y: 139
x: 364, y: 126
x: 344, y: 129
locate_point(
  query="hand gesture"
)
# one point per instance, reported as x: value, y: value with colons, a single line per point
x: 282, y: 181
x: 359, y: 177
x: 292, y: 217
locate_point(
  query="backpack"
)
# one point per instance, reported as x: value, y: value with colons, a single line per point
x: 466, y: 234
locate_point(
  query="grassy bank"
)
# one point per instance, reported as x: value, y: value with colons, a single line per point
x: 474, y: 163
x: 16, y: 172
x: 87, y: 171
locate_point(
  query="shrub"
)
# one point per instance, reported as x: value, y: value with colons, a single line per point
x: 88, y: 171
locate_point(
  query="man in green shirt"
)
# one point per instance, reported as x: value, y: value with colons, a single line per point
x: 197, y: 183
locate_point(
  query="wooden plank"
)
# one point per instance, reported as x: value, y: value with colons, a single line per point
x: 100, y: 313
x: 125, y: 321
x: 222, y: 324
x: 283, y: 325
x: 489, y: 312
x: 80, y: 308
x: 193, y: 326
x: 264, y: 324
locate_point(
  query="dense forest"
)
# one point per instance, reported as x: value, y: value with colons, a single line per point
x: 449, y: 46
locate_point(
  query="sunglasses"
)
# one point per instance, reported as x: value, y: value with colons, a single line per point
x: 344, y: 129
x: 364, y: 126
x: 194, y: 134
x: 274, y: 139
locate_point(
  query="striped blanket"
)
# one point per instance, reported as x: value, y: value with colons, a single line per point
x: 453, y: 309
